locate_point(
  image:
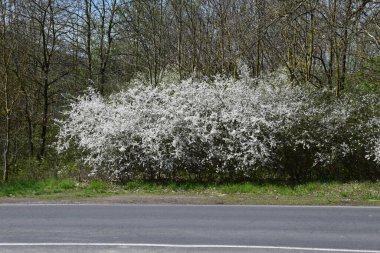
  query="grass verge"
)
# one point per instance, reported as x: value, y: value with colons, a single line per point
x: 313, y: 193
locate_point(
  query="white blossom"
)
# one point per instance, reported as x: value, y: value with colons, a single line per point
x: 222, y: 126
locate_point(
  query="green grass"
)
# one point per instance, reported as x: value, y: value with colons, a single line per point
x: 313, y: 193
x: 32, y: 188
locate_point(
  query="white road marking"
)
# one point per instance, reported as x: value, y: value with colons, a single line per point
x: 189, y: 246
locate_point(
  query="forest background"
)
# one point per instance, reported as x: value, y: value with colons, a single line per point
x: 51, y: 51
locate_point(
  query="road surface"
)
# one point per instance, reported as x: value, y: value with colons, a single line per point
x: 182, y: 228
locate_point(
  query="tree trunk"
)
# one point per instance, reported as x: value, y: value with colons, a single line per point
x: 311, y: 47
x: 258, y: 37
x: 45, y: 117
x: 6, y: 151
x: 7, y: 134
x: 88, y: 39
x: 30, y: 129
x: 345, y: 45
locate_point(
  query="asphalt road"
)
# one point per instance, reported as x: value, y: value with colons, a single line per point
x: 181, y: 228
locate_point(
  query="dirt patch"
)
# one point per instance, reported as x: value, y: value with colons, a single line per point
x: 122, y: 199
x: 186, y: 200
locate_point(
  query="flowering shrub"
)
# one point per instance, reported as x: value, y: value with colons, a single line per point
x: 221, y: 129
x: 376, y: 152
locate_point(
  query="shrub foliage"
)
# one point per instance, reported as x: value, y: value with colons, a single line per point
x: 225, y: 129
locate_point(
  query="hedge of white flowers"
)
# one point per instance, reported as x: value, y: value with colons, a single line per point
x: 223, y: 129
